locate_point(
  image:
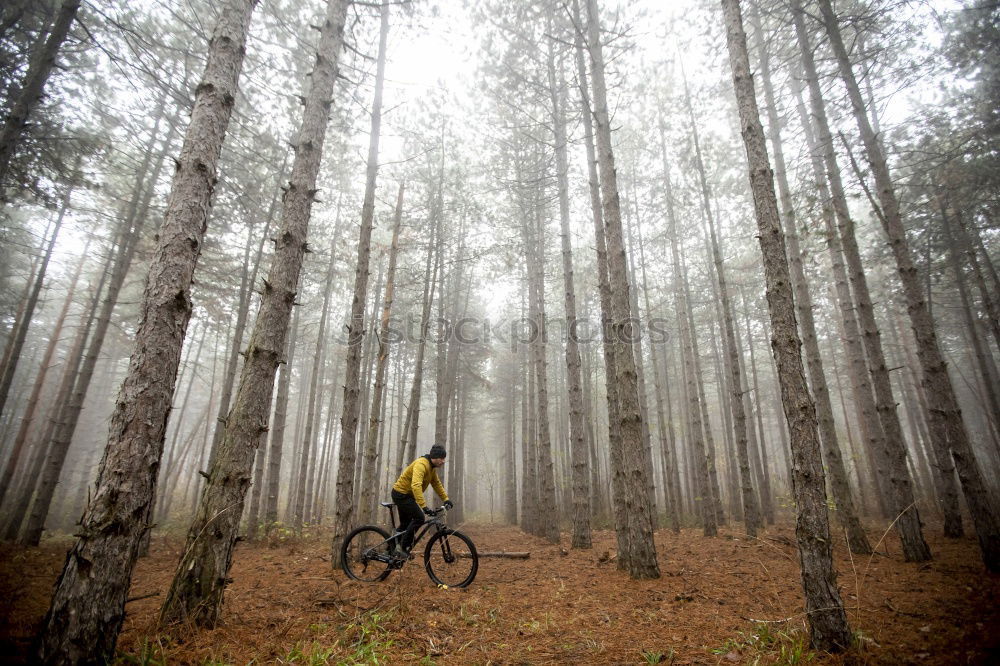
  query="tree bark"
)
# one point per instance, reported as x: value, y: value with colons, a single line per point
x: 529, y: 441
x: 369, y: 480
x: 827, y: 620
x: 640, y: 368
x: 664, y: 418
x: 847, y: 514
x: 578, y: 447
x: 604, y: 288
x: 344, y: 502
x: 713, y: 494
x: 89, y: 601
x: 701, y: 487
x: 248, y: 279
x: 510, y: 459
x: 835, y: 206
x: 200, y: 580
x: 751, y: 511
x: 640, y: 558
x: 277, y: 444
x: 937, y: 383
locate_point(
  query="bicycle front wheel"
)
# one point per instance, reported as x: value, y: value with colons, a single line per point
x: 365, y: 554
x: 451, y: 559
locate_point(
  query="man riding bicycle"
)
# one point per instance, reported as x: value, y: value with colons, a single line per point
x: 408, y: 494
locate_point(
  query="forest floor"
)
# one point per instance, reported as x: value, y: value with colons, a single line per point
x: 725, y: 600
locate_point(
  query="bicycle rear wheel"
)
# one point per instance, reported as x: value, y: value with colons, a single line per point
x: 451, y: 559
x: 365, y: 554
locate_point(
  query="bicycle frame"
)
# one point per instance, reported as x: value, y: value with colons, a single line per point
x: 434, y: 522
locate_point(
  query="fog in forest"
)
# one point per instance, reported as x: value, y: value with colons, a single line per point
x: 639, y: 267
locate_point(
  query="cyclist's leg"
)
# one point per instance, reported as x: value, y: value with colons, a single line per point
x: 410, y: 516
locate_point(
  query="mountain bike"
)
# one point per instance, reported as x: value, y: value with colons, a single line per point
x: 369, y: 552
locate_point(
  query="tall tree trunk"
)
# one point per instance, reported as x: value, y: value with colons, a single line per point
x: 604, y: 288
x: 174, y: 453
x: 329, y: 444
x: 370, y: 461
x: 943, y: 469
x: 701, y: 486
x: 713, y: 494
x: 308, y: 441
x: 22, y: 305
x: 578, y: 448
x: 446, y: 354
x: 529, y: 440
x: 987, y: 295
x: 863, y: 472
x: 640, y: 369
x: 36, y: 390
x: 664, y: 419
x: 510, y: 458
x: 69, y: 413
x: 202, y: 574
x: 88, y: 605
x: 751, y: 511
x: 248, y: 280
x: 937, y: 383
x: 408, y: 434
x: 533, y: 239
x: 368, y: 359
x: 847, y: 514
x: 827, y: 620
x: 600, y: 502
x: 640, y: 558
x: 344, y: 502
x: 40, y: 446
x: 277, y: 444
x: 16, y: 343
x: 984, y: 361
x: 42, y: 64
x: 835, y: 206
x: 759, y: 442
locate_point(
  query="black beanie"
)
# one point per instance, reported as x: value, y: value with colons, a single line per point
x: 437, y: 451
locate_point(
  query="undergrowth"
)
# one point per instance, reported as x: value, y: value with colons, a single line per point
x: 364, y: 640
x: 764, y: 643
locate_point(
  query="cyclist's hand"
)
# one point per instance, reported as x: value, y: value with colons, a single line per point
x: 429, y: 511
x: 448, y: 504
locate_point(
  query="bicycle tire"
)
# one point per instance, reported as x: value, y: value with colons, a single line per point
x: 451, y: 559
x: 358, y: 555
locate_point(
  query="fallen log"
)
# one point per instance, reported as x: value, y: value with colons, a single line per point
x: 504, y: 554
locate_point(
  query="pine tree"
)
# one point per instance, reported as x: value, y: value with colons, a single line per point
x: 88, y: 604
x: 827, y: 620
x: 200, y: 580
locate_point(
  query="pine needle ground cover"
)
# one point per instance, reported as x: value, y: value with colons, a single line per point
x: 720, y: 601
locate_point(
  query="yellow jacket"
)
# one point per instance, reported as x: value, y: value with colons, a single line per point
x: 415, y: 479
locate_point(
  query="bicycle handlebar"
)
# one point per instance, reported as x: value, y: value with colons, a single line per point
x: 435, y: 512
